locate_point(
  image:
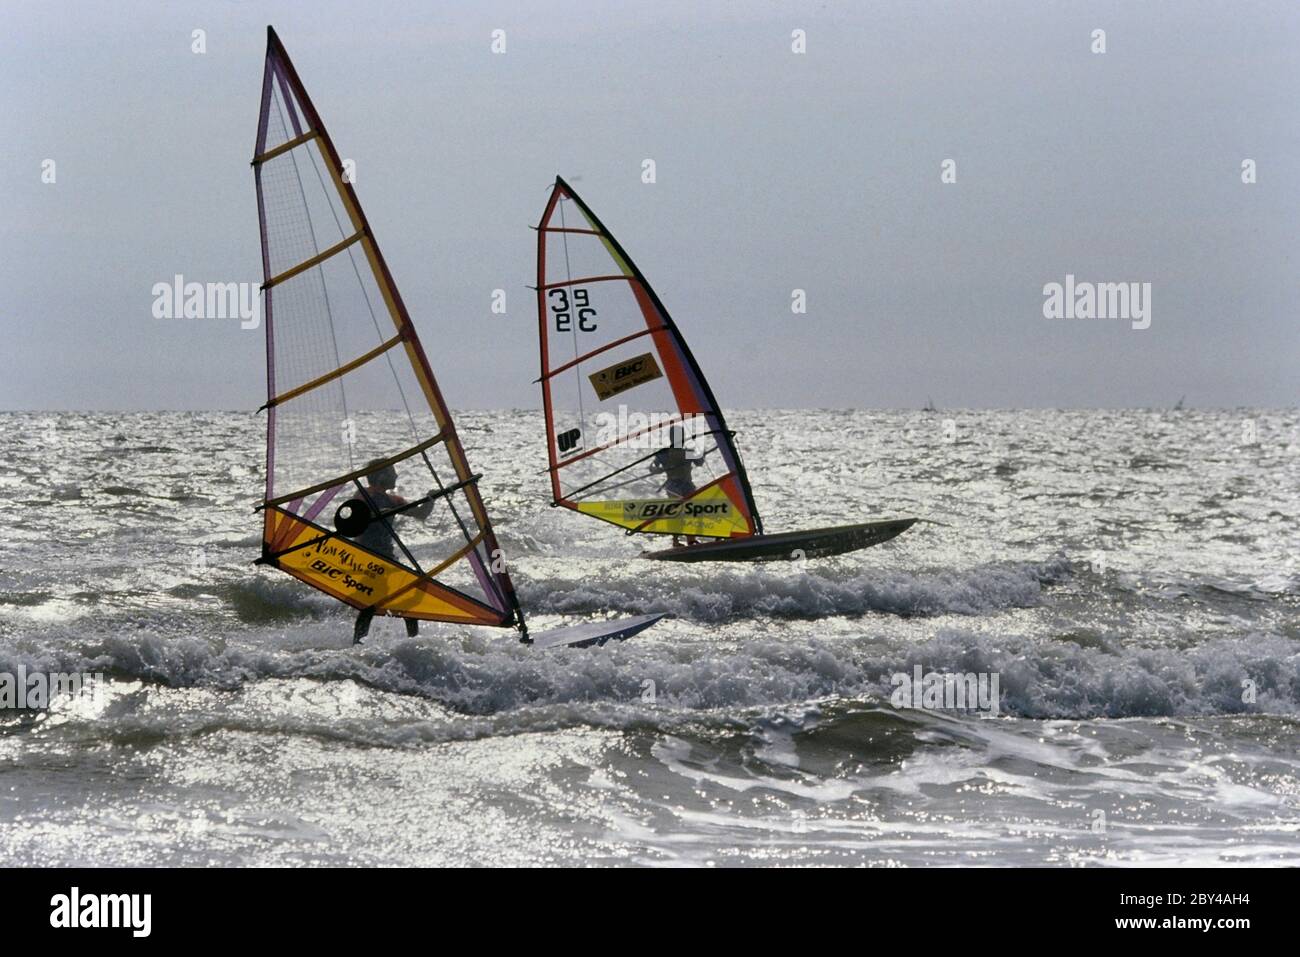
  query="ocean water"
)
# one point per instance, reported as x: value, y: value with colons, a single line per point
x: 1132, y: 579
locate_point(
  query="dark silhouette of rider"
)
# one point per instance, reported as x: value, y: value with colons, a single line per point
x: 676, y: 464
x: 378, y: 535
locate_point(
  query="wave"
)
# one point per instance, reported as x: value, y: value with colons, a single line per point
x: 260, y: 599
x: 491, y: 685
x: 723, y: 595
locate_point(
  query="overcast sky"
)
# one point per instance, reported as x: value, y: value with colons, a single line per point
x: 775, y: 171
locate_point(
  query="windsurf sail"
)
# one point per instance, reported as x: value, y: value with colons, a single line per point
x: 634, y: 434
x: 369, y: 496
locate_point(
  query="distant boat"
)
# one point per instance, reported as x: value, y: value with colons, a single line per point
x: 929, y: 405
x: 1178, y: 406
x: 629, y: 413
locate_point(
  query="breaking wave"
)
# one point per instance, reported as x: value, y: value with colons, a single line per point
x: 728, y: 594
x: 706, y: 681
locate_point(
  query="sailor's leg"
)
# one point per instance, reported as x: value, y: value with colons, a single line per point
x: 412, y: 627
x: 362, y: 627
x: 680, y: 491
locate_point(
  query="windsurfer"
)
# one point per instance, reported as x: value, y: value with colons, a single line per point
x: 378, y: 535
x: 676, y: 465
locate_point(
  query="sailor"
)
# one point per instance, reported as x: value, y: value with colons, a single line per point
x: 676, y: 465
x: 378, y: 535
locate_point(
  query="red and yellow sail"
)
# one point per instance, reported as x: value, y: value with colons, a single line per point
x: 621, y: 389
x: 350, y: 395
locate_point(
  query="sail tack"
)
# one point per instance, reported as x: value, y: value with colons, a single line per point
x: 369, y: 496
x: 634, y: 435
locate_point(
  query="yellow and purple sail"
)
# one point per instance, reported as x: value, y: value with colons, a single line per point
x: 350, y: 396
x: 620, y: 388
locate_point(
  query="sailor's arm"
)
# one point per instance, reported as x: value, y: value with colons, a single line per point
x: 422, y: 510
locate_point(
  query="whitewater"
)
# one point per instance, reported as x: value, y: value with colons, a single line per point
x: 1132, y: 577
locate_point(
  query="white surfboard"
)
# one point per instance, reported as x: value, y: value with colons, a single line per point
x: 594, y: 632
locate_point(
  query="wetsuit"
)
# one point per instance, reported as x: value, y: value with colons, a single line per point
x: 676, y: 466
x: 378, y: 538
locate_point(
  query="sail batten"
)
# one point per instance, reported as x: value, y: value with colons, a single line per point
x: 586, y: 279
x: 284, y: 147
x: 634, y: 435
x: 320, y: 380
x: 369, y: 495
x: 314, y: 260
x: 605, y: 348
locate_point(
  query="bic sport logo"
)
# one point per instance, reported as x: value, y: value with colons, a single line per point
x: 674, y: 508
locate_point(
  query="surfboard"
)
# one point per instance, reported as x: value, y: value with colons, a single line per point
x: 634, y: 434
x: 369, y: 494
x: 788, y: 546
x: 594, y: 632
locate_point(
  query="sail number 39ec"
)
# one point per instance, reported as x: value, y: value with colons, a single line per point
x: 564, y: 310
